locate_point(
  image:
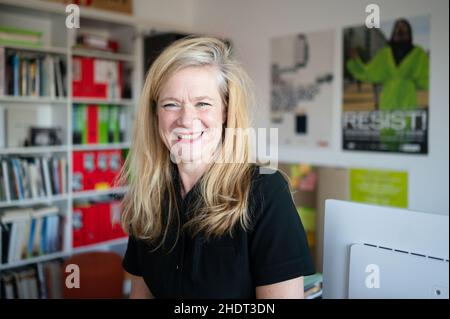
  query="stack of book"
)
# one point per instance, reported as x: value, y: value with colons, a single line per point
x: 30, y: 232
x: 100, y: 123
x: 43, y: 281
x: 313, y: 286
x: 96, y: 42
x: 32, y: 177
x: 24, y: 73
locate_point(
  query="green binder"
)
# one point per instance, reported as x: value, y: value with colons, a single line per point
x: 103, y: 118
x: 114, y: 124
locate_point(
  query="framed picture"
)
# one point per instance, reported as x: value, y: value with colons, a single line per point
x: 43, y: 136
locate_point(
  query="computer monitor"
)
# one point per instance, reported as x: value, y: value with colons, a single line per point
x: 383, y: 252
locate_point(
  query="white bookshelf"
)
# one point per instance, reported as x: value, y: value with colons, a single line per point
x: 30, y: 101
x: 101, y: 246
x: 49, y: 18
x: 33, y: 260
x: 103, y: 55
x: 33, y: 150
x: 34, y: 201
x: 123, y: 102
x: 96, y: 193
x: 44, y: 49
x: 93, y: 147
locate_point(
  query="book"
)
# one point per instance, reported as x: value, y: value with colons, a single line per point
x: 2, y: 127
x: 59, y: 77
x: 17, y: 218
x: 2, y: 71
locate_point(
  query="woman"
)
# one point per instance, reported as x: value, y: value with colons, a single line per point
x: 203, y: 223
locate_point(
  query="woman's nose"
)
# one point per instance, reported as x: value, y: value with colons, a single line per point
x: 187, y: 116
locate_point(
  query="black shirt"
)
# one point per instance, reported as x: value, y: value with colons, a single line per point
x: 274, y: 249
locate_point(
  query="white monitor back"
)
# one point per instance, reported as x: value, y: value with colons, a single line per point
x: 382, y: 252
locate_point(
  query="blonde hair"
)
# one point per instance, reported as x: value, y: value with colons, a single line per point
x: 224, y: 188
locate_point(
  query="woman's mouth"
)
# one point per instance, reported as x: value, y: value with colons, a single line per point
x: 190, y: 137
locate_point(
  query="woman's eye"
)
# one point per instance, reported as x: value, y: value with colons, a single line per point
x: 203, y: 104
x: 169, y: 105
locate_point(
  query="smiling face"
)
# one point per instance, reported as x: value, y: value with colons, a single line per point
x: 191, y: 113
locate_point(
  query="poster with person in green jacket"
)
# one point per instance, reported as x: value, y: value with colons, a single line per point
x: 386, y: 85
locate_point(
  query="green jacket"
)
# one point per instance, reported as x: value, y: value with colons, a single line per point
x: 399, y: 82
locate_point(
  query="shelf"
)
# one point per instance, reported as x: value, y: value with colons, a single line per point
x: 10, y: 99
x: 33, y: 260
x: 47, y: 16
x: 87, y: 100
x: 33, y: 150
x: 96, y: 246
x: 95, y: 193
x: 87, y: 248
x: 52, y: 50
x: 46, y: 7
x: 93, y: 147
x: 103, y: 55
x: 33, y: 201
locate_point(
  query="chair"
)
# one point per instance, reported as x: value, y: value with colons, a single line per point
x: 101, y: 276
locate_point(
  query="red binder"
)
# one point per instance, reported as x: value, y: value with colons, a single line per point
x: 77, y: 227
x: 101, y: 171
x: 104, y: 223
x: 78, y: 177
x: 115, y: 214
x: 83, y: 170
x: 83, y: 83
x: 92, y: 124
x: 115, y: 163
x: 90, y: 225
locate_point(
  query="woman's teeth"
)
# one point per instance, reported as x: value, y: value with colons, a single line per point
x: 190, y: 136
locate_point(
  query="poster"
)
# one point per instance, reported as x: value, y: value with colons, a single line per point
x: 379, y: 187
x: 386, y: 85
x: 303, y: 180
x: 301, y: 91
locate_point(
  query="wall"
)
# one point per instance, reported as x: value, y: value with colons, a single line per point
x: 170, y: 14
x: 251, y: 23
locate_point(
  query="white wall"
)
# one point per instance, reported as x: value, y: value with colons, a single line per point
x: 251, y: 23
x: 170, y: 14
